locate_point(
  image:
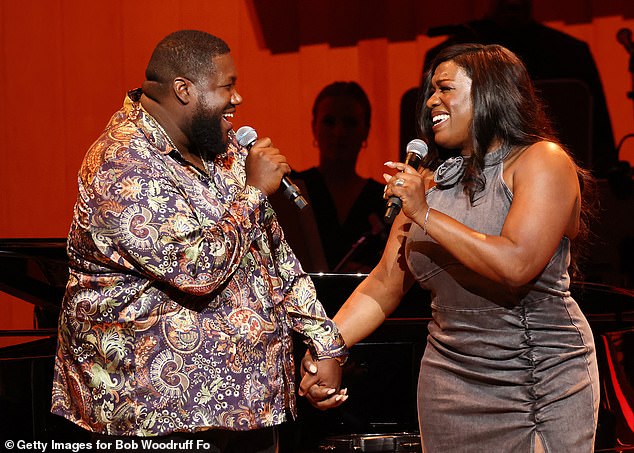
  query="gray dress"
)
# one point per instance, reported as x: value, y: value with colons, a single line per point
x: 501, y: 366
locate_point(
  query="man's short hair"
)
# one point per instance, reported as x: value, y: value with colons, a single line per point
x: 185, y: 53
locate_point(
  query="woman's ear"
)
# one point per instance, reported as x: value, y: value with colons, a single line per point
x: 366, y: 133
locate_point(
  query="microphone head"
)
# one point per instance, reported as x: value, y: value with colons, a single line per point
x: 246, y: 135
x: 418, y: 147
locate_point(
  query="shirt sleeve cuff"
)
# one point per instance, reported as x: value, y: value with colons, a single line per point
x: 336, y: 349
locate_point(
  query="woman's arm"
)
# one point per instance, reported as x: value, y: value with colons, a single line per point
x: 380, y: 293
x: 546, y: 205
x: 365, y: 310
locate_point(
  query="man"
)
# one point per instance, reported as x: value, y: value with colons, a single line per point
x: 182, y: 290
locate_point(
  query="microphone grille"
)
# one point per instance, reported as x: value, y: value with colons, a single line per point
x: 417, y: 146
x: 246, y: 135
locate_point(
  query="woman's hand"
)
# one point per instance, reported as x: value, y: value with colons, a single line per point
x: 409, y: 185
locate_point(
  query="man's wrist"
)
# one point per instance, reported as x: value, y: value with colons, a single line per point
x: 341, y: 360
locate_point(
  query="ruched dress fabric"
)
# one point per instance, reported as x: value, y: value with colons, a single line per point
x: 501, y: 366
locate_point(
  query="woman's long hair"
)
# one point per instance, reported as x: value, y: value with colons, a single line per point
x: 506, y: 109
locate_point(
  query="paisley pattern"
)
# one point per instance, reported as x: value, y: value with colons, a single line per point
x: 182, y: 293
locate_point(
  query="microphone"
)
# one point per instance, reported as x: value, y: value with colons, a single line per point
x: 246, y: 137
x: 416, y: 151
x: 624, y: 36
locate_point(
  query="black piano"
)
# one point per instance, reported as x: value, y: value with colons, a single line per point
x: 35, y: 271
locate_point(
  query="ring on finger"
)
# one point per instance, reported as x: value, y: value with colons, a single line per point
x: 399, y: 182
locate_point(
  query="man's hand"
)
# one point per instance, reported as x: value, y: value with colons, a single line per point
x: 265, y: 166
x: 320, y: 383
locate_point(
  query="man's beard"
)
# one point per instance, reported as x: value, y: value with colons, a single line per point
x: 207, y: 138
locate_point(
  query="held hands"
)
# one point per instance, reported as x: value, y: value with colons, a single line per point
x: 409, y: 185
x: 265, y: 166
x: 320, y: 383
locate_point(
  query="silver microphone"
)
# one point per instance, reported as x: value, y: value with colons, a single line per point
x: 416, y: 151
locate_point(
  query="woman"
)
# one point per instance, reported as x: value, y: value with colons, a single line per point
x: 510, y: 362
x: 348, y: 208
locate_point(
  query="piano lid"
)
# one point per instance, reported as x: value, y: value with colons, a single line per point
x: 34, y: 270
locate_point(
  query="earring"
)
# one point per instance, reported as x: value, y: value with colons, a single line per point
x: 449, y: 172
x: 364, y: 144
x: 315, y: 144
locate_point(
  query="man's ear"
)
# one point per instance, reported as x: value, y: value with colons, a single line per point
x: 183, y: 89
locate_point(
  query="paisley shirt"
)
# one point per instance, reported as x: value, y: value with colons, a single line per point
x: 182, y: 293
